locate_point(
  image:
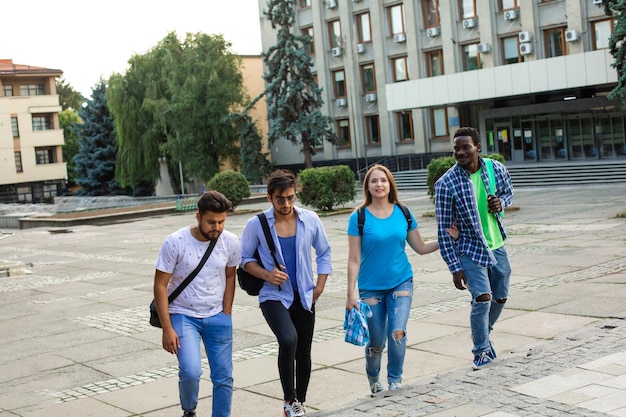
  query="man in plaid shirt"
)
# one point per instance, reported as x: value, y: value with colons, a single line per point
x: 466, y: 196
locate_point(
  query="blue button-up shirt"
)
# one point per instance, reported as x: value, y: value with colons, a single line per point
x: 455, y: 202
x: 309, y: 233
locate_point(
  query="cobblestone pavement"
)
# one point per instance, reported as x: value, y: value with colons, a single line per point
x: 76, y: 339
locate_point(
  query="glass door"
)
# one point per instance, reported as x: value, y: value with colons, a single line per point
x: 504, y: 141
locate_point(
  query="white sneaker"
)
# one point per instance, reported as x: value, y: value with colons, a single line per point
x: 295, y: 409
x: 394, y: 386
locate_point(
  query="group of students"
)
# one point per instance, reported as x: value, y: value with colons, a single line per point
x: 470, y: 238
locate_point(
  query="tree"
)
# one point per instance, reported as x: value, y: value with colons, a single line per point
x: 254, y: 163
x: 617, y: 9
x: 68, y: 97
x: 67, y: 119
x: 293, y: 97
x: 176, y: 101
x: 95, y: 161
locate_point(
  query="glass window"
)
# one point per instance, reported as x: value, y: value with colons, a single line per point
x: 471, y: 57
x: 368, y: 77
x: 43, y: 156
x: 15, y: 127
x: 400, y: 70
x: 309, y: 32
x: 396, y: 19
x: 18, y: 161
x: 439, y: 120
x: 364, y: 27
x: 405, y: 125
x: 508, y: 4
x: 31, y: 90
x: 555, y: 42
x: 601, y: 33
x: 7, y: 90
x: 468, y: 8
x: 430, y: 10
x: 510, y: 49
x: 339, y: 78
x: 343, y: 133
x: 41, y: 123
x: 434, y: 63
x: 334, y: 34
x: 305, y: 3
x: 373, y: 130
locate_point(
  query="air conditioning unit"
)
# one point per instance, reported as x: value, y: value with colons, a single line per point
x: 526, y: 48
x: 469, y: 23
x: 371, y: 97
x: 484, y: 48
x: 399, y: 38
x: 572, y: 35
x: 433, y: 32
x: 360, y: 48
x: 331, y: 4
x: 336, y: 51
x: 598, y: 2
x: 525, y: 36
x: 511, y: 14
x: 341, y: 102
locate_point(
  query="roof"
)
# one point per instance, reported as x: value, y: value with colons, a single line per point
x: 7, y: 67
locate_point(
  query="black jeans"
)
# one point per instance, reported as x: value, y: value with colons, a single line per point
x: 293, y: 329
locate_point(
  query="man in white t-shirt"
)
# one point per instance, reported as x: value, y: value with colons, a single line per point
x: 203, y: 309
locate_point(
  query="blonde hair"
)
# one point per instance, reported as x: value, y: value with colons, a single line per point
x: 393, y: 189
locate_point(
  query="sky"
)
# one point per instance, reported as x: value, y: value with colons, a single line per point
x: 91, y: 39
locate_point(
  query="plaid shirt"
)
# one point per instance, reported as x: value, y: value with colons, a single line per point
x: 455, y: 202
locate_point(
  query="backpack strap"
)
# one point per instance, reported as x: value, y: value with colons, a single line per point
x: 361, y: 217
x: 270, y: 241
x: 491, y: 174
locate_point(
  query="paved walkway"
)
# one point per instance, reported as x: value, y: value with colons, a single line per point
x: 75, y: 338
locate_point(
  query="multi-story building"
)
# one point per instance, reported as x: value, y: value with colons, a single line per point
x: 32, y: 168
x: 400, y: 76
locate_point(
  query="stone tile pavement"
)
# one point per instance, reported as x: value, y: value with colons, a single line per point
x: 75, y: 338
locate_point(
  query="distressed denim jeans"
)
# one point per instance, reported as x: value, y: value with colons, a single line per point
x: 216, y: 333
x: 390, y: 313
x: 492, y: 280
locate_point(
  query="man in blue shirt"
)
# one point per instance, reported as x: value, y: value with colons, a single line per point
x: 287, y: 298
x: 466, y: 196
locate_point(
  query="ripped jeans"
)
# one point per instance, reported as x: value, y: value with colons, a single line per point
x: 390, y: 313
x: 493, y: 281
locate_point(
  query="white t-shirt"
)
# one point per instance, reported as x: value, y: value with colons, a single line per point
x: 179, y: 256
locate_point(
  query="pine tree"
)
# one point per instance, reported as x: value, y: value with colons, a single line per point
x: 254, y: 162
x: 294, y: 99
x: 617, y: 40
x: 95, y: 161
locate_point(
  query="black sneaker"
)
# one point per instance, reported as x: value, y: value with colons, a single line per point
x: 189, y: 414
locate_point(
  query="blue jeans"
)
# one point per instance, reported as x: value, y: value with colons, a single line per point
x: 493, y: 280
x: 390, y: 314
x: 216, y: 333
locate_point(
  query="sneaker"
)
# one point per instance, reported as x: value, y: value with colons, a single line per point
x: 295, y: 409
x: 394, y: 386
x: 376, y: 387
x: 482, y: 361
x: 491, y: 352
x: 189, y: 414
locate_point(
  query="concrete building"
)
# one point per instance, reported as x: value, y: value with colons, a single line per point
x: 31, y: 161
x: 400, y: 76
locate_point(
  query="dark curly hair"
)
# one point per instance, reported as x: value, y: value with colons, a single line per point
x: 215, y: 202
x: 468, y: 131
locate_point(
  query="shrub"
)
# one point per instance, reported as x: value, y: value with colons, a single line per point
x: 438, y: 166
x: 326, y: 187
x: 232, y: 184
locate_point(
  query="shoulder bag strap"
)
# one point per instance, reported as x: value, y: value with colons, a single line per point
x: 193, y: 274
x: 268, y: 237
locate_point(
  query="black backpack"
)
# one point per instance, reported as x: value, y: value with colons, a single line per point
x: 361, y: 218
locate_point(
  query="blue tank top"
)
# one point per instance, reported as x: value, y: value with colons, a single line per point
x: 288, y: 246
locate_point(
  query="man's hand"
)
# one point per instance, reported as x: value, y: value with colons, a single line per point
x: 170, y: 341
x: 494, y: 204
x: 460, y: 281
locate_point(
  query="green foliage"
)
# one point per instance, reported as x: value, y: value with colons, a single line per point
x: 293, y: 97
x: 175, y: 101
x: 232, y: 184
x: 254, y: 162
x: 68, y: 97
x: 326, y: 187
x: 438, y: 166
x: 95, y: 160
x: 71, y: 147
x: 617, y: 9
